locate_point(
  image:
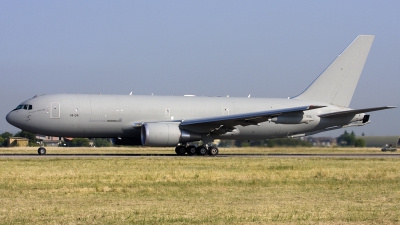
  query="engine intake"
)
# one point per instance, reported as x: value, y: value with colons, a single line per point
x: 165, y: 135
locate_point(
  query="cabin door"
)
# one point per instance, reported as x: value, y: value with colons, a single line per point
x: 55, y: 110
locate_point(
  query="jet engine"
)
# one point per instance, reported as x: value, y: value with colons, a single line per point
x: 165, y: 135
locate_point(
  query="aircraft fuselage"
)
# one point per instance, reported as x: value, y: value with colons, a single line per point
x: 78, y: 115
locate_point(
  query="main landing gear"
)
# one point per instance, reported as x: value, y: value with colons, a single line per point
x: 193, y: 150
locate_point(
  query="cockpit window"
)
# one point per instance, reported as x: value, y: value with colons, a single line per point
x: 19, y: 107
x: 26, y: 107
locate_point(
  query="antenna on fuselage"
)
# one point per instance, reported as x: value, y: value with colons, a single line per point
x: 130, y: 93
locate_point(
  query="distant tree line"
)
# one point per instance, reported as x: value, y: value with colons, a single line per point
x: 84, y: 142
x: 30, y: 136
x: 350, y: 140
x: 279, y: 142
x: 4, y: 138
x: 102, y: 142
x: 76, y: 142
x: 346, y: 139
x: 33, y: 141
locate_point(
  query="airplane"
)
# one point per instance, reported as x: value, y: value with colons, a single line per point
x: 176, y: 121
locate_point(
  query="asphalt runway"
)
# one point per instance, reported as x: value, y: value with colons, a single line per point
x: 33, y: 156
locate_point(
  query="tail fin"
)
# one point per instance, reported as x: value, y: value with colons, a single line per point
x: 337, y: 83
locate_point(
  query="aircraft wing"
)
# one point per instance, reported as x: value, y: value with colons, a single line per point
x: 244, y: 119
x: 353, y: 111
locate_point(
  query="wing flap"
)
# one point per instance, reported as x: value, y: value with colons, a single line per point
x: 353, y: 111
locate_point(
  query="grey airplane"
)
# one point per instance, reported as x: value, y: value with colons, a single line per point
x: 177, y: 121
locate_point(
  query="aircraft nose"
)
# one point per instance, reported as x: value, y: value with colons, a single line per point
x: 11, y: 118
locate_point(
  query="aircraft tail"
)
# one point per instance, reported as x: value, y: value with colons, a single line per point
x: 337, y: 83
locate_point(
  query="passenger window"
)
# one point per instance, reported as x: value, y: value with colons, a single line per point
x: 30, y: 107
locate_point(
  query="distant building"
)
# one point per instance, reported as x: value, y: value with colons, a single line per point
x: 321, y: 141
x: 49, y: 140
x: 67, y: 140
x: 17, y: 142
x: 379, y: 141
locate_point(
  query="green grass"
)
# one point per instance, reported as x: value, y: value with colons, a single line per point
x: 199, y: 190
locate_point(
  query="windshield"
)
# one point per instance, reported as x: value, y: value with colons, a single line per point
x: 26, y: 107
x: 19, y: 107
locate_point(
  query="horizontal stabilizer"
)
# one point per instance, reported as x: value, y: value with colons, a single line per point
x: 354, y: 111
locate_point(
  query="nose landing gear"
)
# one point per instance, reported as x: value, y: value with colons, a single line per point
x: 41, y: 151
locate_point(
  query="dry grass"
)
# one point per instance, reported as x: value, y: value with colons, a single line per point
x: 199, y: 190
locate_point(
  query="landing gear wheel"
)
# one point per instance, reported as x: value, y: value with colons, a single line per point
x: 180, y: 150
x: 201, y: 150
x: 191, y: 150
x: 213, y: 151
x: 42, y: 151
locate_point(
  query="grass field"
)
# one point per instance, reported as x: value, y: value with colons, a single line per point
x: 199, y: 190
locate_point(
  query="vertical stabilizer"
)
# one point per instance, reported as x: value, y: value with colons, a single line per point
x: 337, y: 83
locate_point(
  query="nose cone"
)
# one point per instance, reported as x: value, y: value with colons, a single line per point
x: 11, y: 118
x: 14, y: 118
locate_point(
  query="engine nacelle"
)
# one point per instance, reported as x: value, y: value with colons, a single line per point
x: 165, y: 135
x: 292, y: 119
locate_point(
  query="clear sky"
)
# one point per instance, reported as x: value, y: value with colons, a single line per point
x: 211, y: 48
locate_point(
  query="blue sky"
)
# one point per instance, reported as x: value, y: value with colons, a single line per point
x: 211, y: 48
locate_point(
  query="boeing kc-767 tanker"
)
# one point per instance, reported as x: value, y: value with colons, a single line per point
x: 176, y: 121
